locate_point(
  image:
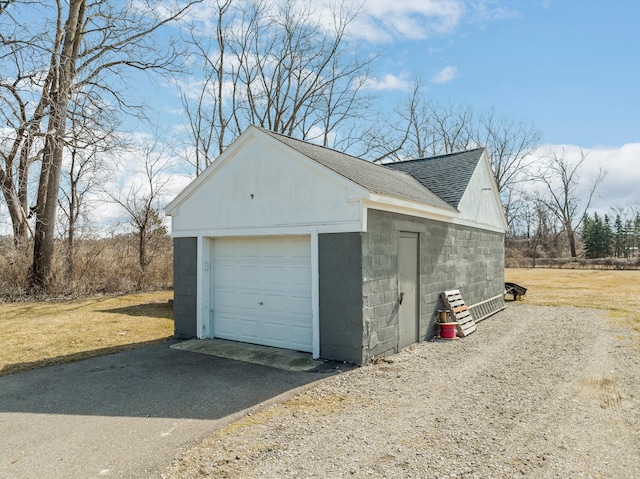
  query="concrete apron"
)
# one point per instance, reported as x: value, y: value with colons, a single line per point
x: 252, y: 353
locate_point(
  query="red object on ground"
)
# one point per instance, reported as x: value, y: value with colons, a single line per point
x: 448, y: 330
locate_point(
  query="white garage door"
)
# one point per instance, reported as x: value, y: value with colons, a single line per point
x: 261, y: 291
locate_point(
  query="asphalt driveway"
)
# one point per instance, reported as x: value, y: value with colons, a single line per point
x: 125, y: 415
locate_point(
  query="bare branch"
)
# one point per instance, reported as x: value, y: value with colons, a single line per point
x: 560, y: 180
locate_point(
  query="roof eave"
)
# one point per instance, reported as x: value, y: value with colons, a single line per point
x: 411, y: 208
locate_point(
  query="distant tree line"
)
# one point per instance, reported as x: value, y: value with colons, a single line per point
x: 603, y: 239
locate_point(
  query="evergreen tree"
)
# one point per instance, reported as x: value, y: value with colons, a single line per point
x: 619, y: 238
x: 589, y: 236
x: 597, y: 236
x: 607, y: 238
x: 636, y: 234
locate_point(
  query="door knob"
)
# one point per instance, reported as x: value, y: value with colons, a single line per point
x: 400, y: 297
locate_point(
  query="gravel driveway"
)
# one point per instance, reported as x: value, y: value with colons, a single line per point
x: 535, y: 392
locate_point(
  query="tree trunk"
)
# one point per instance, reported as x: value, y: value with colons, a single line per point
x: 16, y: 212
x: 46, y: 206
x: 572, y: 242
x: 71, y: 237
x: 49, y: 184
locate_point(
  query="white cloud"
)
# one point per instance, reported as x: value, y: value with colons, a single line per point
x: 382, y: 21
x: 410, y: 19
x: 316, y: 135
x: 445, y: 75
x: 388, y: 82
x: 378, y: 21
x: 483, y: 11
x: 620, y: 187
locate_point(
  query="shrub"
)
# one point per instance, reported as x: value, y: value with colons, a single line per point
x: 100, y: 266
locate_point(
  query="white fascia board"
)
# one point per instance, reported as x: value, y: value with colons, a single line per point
x: 476, y: 225
x: 421, y: 210
x: 411, y: 208
x: 274, y: 230
x: 315, y: 297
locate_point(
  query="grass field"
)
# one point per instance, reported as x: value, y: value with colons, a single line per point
x: 52, y: 332
x: 615, y: 291
x: 36, y: 334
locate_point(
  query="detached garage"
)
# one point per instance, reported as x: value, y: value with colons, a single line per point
x: 284, y: 243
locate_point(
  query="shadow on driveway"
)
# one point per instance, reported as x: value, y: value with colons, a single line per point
x: 154, y: 381
x: 128, y: 414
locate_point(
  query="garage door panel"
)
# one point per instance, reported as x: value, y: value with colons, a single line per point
x: 300, y: 335
x: 275, y: 274
x: 275, y: 332
x: 298, y: 276
x: 226, y: 300
x: 264, y: 332
x: 261, y: 291
x: 232, y: 273
x: 238, y: 326
x: 226, y: 325
x: 299, y: 309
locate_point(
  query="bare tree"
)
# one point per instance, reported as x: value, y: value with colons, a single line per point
x: 92, y: 145
x: 84, y: 48
x: 511, y: 145
x: 204, y: 105
x: 424, y: 128
x: 141, y: 202
x: 274, y: 64
x: 23, y: 68
x: 409, y: 135
x: 560, y: 180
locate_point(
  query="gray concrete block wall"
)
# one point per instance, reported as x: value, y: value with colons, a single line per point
x: 185, y: 283
x: 358, y: 281
x: 340, y: 284
x: 379, y: 289
x: 451, y: 257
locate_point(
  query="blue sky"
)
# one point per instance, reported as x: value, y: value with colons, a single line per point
x: 571, y: 68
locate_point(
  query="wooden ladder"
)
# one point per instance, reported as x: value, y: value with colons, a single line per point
x: 455, y: 304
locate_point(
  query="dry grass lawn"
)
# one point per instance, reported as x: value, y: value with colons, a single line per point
x: 38, y: 334
x: 615, y: 291
x: 43, y: 333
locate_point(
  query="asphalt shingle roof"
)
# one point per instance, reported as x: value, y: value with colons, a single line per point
x: 447, y: 176
x: 375, y: 178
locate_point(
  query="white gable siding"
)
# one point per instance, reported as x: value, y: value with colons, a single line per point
x: 480, y: 202
x: 265, y: 188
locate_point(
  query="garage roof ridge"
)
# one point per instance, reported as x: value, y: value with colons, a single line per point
x: 441, y: 157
